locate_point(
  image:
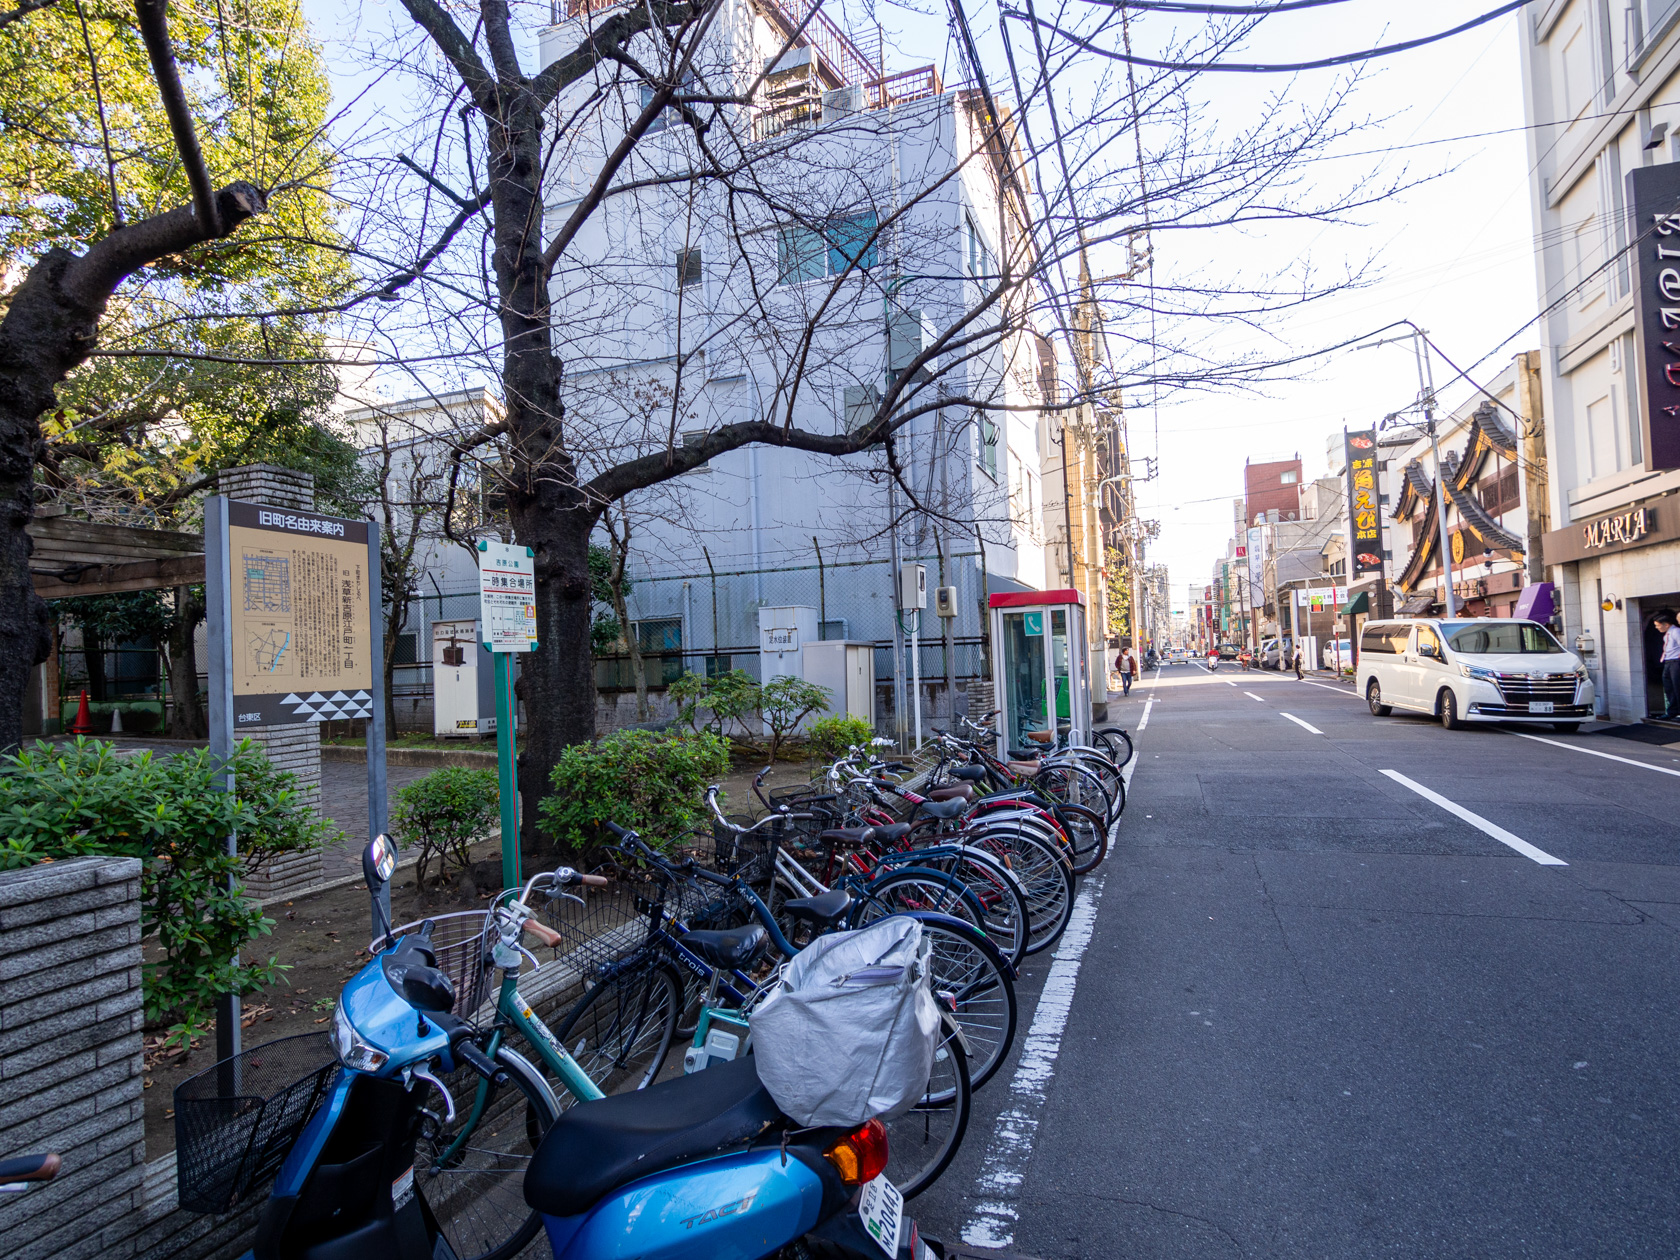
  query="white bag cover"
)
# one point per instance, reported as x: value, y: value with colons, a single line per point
x: 850, y: 1032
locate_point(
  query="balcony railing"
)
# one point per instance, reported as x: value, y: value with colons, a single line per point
x: 848, y: 62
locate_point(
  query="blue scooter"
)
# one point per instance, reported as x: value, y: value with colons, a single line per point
x: 701, y: 1166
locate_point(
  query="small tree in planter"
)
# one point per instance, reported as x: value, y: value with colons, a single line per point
x: 785, y: 702
x: 442, y: 816
x: 649, y: 781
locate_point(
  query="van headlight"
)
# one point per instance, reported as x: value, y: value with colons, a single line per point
x: 353, y: 1052
x: 1580, y: 673
x: 1478, y: 672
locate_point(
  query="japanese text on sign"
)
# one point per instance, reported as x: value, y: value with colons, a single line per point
x: 507, y: 597
x: 1365, y: 551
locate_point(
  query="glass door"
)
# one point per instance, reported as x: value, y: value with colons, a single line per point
x: 1024, y: 660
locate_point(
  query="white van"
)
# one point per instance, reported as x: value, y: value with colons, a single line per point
x: 1484, y: 670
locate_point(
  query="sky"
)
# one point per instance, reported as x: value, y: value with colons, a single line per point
x: 1453, y: 254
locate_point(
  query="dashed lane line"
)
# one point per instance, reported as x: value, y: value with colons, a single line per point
x: 1298, y: 722
x: 1593, y: 752
x: 1144, y: 721
x: 1252, y: 696
x: 1478, y: 822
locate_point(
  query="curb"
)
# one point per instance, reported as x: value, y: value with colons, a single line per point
x: 410, y: 756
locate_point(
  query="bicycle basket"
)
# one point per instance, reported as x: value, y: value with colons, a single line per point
x: 459, y: 942
x: 751, y: 857
x: 236, y: 1121
x: 611, y: 923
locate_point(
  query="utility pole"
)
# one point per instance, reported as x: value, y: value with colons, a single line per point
x: 1426, y: 388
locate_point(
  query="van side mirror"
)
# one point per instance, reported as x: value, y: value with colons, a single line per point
x: 1429, y: 650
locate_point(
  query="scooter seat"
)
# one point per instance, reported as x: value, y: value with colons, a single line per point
x: 971, y: 774
x: 597, y: 1147
x: 824, y: 910
x: 734, y: 947
x: 943, y: 810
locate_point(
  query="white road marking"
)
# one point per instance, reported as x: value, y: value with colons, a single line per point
x: 999, y: 1184
x: 1252, y: 696
x: 1144, y: 721
x: 1593, y: 752
x: 1299, y: 722
x: 1227, y: 682
x: 1330, y: 687
x: 1477, y: 821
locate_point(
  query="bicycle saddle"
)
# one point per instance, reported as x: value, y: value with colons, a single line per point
x: 943, y: 810
x: 824, y: 910
x: 891, y: 833
x: 848, y: 835
x: 592, y: 1151
x: 970, y: 774
x: 1023, y: 754
x: 955, y: 792
x: 734, y: 947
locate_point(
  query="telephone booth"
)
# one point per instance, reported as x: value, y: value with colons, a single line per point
x: 1041, y: 663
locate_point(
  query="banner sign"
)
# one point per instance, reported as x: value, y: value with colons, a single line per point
x: 1364, y: 519
x: 1256, y: 560
x: 1654, y: 195
x: 1324, y: 599
x: 507, y: 597
x: 302, y: 626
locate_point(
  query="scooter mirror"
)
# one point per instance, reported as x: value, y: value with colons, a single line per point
x: 379, y: 860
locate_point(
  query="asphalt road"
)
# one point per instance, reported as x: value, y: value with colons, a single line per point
x: 1315, y: 1013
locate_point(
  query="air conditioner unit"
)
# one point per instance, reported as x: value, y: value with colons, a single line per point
x: 842, y: 102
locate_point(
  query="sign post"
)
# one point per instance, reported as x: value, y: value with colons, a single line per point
x: 507, y: 611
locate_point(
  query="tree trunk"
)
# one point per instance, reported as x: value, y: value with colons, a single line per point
x: 395, y: 616
x: 186, y: 715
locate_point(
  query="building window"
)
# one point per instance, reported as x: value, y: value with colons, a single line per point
x: 989, y: 446
x: 667, y: 116
x: 981, y: 263
x: 689, y: 269
x: 1500, y: 493
x: 694, y: 438
x: 1289, y: 478
x: 804, y: 253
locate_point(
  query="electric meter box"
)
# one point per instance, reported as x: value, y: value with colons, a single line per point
x: 463, y: 682
x: 912, y: 585
x: 847, y: 668
x: 945, y: 601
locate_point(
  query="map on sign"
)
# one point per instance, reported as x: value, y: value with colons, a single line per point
x: 507, y: 596
x: 302, y: 619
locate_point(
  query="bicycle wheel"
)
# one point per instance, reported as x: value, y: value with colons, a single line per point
x: 1005, y: 916
x: 621, y: 1031
x: 920, y: 888
x: 1113, y: 782
x: 968, y: 968
x: 1068, y: 783
x: 1087, y: 833
x: 922, y: 1142
x: 1046, y: 875
x: 472, y: 1172
x: 1115, y: 742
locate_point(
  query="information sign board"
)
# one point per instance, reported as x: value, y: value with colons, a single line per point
x: 301, y: 623
x: 507, y: 597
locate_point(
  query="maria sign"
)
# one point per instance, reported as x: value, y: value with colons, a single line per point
x: 1654, y: 194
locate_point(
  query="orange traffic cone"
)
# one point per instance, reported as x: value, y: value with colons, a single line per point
x: 83, y: 725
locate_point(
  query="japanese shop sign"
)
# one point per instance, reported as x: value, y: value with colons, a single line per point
x: 1364, y: 521
x: 1654, y: 194
x: 507, y: 597
x: 301, y: 622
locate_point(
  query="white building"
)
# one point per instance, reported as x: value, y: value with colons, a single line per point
x: 1602, y: 88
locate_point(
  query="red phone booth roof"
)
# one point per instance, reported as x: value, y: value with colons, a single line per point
x: 1036, y: 599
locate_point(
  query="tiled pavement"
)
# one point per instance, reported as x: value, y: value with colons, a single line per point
x: 344, y: 800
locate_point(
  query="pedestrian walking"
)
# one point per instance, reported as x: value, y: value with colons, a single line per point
x: 1670, y: 663
x: 1128, y: 667
x: 1298, y: 671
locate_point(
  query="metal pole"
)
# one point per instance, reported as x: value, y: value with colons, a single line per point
x: 899, y: 715
x: 218, y: 617
x: 378, y: 806
x: 715, y: 640
x: 1426, y: 386
x: 916, y: 672
x: 822, y: 592
x: 508, y: 775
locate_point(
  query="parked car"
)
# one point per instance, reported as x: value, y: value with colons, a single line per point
x: 1270, y: 655
x: 1335, y: 654
x: 1227, y: 651
x: 1486, y: 670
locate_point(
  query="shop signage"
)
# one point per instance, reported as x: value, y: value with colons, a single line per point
x: 1364, y: 523
x: 1256, y: 558
x: 1637, y: 527
x: 1654, y: 194
x: 1323, y: 599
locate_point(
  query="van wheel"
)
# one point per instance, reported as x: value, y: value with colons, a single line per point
x: 1448, y: 705
x: 1566, y: 728
x: 1373, y: 697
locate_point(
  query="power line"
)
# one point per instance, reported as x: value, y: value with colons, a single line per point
x: 1234, y: 67
x: 1172, y: 6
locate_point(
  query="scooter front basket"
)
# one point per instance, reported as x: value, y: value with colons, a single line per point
x: 236, y: 1122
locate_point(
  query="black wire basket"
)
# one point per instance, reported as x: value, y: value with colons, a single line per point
x: 236, y: 1121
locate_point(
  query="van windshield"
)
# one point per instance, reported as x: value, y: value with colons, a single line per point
x: 1481, y: 638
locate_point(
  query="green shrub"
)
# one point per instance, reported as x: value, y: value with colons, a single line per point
x: 650, y: 781
x: 832, y: 735
x: 785, y: 701
x: 440, y: 816
x: 84, y: 799
x: 728, y: 697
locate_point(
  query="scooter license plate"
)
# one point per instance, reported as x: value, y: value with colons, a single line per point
x: 881, y: 1207
x: 1540, y: 706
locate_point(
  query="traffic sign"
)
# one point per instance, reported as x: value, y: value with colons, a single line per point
x: 507, y: 597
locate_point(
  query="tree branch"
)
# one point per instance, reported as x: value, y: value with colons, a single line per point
x: 24, y: 10
x: 154, y: 30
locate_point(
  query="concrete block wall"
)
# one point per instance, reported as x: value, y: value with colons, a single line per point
x: 296, y: 748
x: 70, y: 1052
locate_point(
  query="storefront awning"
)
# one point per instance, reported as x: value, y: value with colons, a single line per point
x: 1417, y: 606
x: 1360, y: 603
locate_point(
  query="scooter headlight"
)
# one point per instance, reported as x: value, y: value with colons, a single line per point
x: 353, y: 1052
